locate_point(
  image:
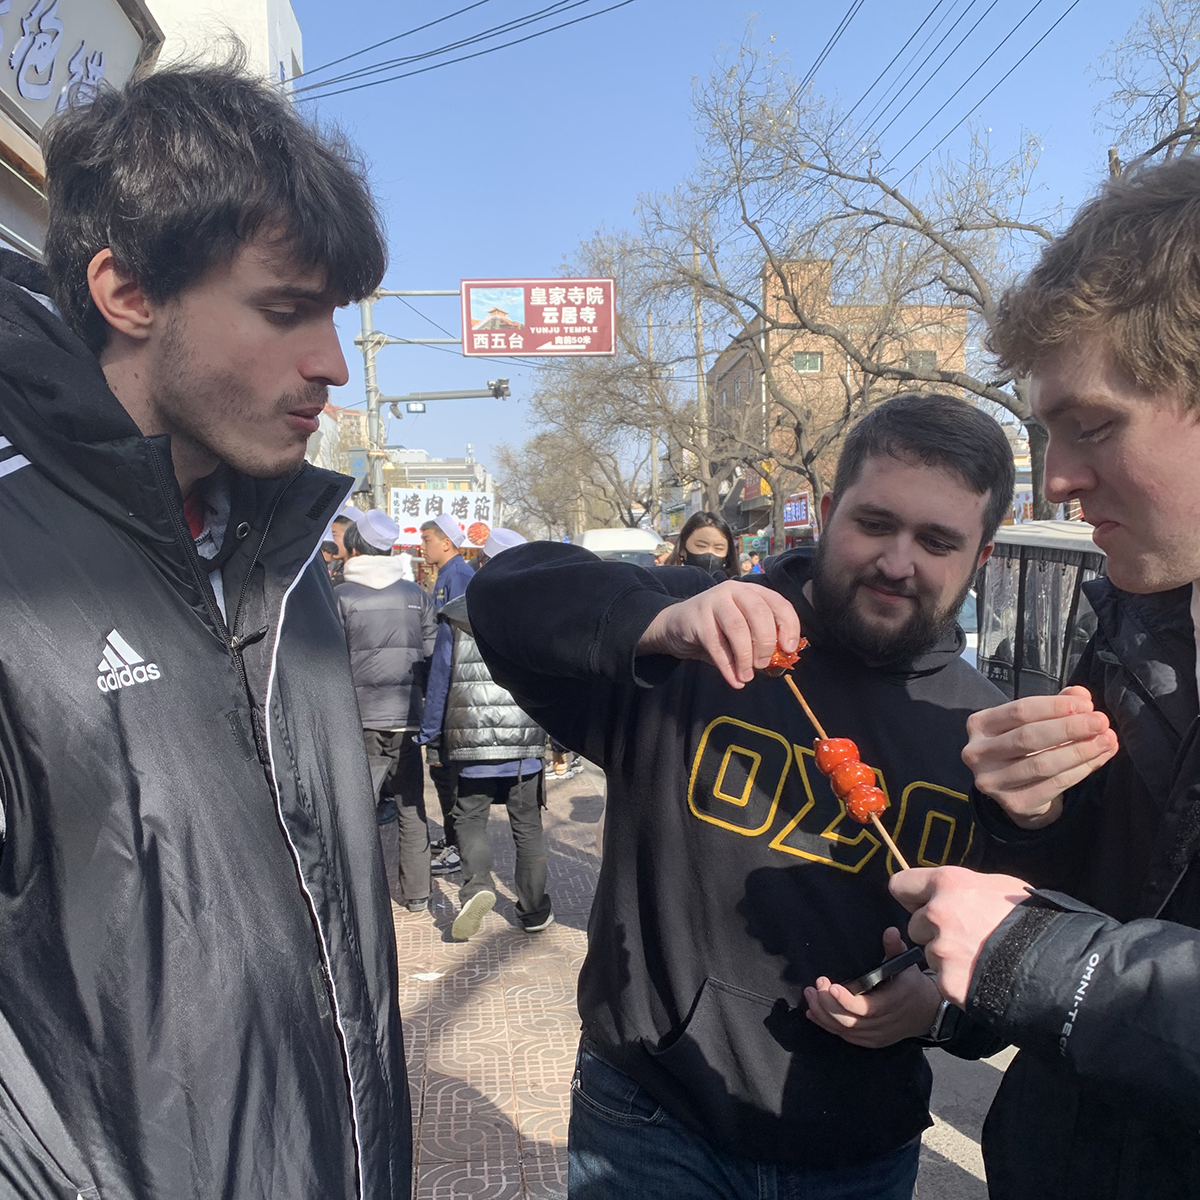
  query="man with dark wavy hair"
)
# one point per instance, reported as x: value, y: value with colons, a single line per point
x: 198, y: 992
x: 1095, y: 793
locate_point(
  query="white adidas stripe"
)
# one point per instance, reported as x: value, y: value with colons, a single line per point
x: 9, y: 465
x: 124, y: 649
x: 4, y: 442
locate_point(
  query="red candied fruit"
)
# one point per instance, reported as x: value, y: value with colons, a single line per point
x: 833, y: 751
x: 864, y: 802
x: 782, y: 660
x: 848, y: 775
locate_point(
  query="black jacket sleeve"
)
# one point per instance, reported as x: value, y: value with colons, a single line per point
x: 559, y: 628
x: 1115, y: 1002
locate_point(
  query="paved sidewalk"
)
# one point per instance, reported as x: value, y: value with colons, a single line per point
x: 491, y: 1029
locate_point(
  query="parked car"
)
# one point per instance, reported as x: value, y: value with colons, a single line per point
x: 636, y: 546
x: 1034, y: 619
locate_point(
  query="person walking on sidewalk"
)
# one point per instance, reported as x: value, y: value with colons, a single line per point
x: 390, y: 630
x: 440, y: 540
x: 198, y: 989
x: 497, y: 751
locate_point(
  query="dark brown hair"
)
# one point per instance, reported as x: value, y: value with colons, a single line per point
x: 937, y: 431
x: 179, y: 169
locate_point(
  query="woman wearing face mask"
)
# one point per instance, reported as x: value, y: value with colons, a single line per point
x: 706, y: 542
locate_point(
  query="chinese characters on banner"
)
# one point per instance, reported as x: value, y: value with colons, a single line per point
x: 412, y: 507
x: 538, y: 317
x: 795, y: 510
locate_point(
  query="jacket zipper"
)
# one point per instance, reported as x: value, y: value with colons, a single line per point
x: 234, y: 645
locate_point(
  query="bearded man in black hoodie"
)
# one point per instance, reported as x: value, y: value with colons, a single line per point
x: 198, y: 992
x: 717, y: 1058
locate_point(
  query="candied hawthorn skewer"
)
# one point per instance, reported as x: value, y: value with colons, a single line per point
x: 864, y: 801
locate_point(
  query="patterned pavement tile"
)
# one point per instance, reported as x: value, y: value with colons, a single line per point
x: 545, y: 1174
x: 491, y: 1027
x: 461, y: 1122
x: 545, y: 1126
x: 541, y: 1073
x: 469, y: 1181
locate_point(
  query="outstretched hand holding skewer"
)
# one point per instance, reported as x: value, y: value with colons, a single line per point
x: 735, y: 626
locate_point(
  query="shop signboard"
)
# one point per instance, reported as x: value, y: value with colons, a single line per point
x: 796, y: 510
x: 49, y: 46
x: 571, y: 318
x: 412, y: 507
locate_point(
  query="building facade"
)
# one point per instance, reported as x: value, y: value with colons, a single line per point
x: 48, y: 47
x: 267, y: 28
x: 815, y: 376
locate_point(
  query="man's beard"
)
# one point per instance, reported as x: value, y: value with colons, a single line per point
x: 835, y: 604
x: 200, y: 407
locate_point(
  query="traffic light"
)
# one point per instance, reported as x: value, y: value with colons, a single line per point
x: 499, y: 389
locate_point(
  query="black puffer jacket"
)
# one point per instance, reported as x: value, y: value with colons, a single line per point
x: 483, y: 722
x: 390, y: 630
x: 198, y: 994
x: 1102, y: 991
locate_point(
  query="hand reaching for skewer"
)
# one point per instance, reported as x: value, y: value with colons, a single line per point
x: 736, y: 626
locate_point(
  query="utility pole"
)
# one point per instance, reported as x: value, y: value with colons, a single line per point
x: 370, y: 341
x: 701, y: 389
x: 654, y: 501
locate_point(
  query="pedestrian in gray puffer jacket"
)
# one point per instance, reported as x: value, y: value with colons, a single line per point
x: 499, y: 749
x: 390, y: 630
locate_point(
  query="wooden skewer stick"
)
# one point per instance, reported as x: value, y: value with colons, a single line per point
x: 883, y: 833
x: 808, y: 711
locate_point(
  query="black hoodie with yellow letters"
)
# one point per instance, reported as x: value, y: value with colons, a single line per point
x: 732, y: 876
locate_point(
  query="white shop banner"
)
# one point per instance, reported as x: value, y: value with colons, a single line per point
x: 412, y: 507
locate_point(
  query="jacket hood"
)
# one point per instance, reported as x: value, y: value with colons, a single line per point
x: 791, y: 571
x: 57, y: 409
x: 376, y: 571
x: 454, y: 613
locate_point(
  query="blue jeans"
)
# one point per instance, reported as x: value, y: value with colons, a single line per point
x: 623, y: 1144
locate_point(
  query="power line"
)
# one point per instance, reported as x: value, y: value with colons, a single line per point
x: 465, y: 57
x: 973, y: 75
x: 989, y: 92
x: 898, y: 87
x: 333, y: 62
x: 934, y: 73
x: 899, y: 52
x: 559, y: 6
x: 834, y: 38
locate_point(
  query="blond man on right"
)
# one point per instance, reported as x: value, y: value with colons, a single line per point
x: 1095, y: 793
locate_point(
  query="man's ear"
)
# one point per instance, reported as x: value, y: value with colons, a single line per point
x: 119, y: 297
x: 826, y: 508
x: 985, y: 554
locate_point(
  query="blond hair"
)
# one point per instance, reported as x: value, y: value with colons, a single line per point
x: 1128, y: 269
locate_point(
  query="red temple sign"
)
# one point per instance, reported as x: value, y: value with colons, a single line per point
x: 538, y: 317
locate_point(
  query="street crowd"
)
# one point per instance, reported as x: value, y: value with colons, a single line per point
x: 217, y: 680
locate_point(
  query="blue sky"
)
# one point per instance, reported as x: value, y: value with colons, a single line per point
x: 498, y: 167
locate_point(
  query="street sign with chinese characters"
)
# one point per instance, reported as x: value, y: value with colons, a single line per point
x: 49, y: 46
x: 795, y: 510
x: 537, y: 317
x: 412, y: 507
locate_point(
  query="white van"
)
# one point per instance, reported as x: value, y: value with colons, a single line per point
x: 622, y: 545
